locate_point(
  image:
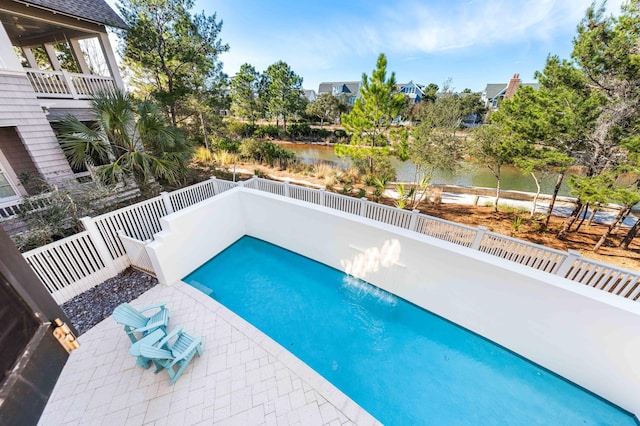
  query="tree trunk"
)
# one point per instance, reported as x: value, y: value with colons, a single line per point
x: 621, y: 214
x: 593, y: 214
x: 495, y: 208
x: 568, y: 223
x: 585, y: 209
x: 626, y: 241
x: 204, y: 130
x: 556, y: 189
x: 535, y: 198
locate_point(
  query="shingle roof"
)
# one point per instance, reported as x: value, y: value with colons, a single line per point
x: 90, y: 10
x: 347, y: 87
x: 492, y: 90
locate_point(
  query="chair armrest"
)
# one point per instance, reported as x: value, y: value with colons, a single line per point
x: 182, y: 355
x: 157, y: 305
x: 142, y: 329
x: 162, y: 342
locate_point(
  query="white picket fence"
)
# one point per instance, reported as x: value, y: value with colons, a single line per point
x: 569, y: 265
x: 73, y: 265
x: 115, y: 240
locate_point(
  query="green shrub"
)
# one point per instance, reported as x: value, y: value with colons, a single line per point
x: 300, y: 130
x: 340, y: 134
x: 240, y: 129
x: 323, y: 133
x: 268, y: 131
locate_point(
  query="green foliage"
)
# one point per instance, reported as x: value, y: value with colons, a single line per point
x: 323, y: 133
x: 516, y: 223
x: 245, y: 89
x: 300, y: 130
x: 131, y: 138
x: 239, y: 129
x: 170, y: 52
x: 494, y: 147
x: 405, y: 195
x: 378, y: 104
x: 282, y: 92
x: 267, y: 131
x: 266, y: 152
x: 326, y: 107
x: 340, y: 134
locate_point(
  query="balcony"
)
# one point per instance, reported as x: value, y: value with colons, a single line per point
x: 65, y: 85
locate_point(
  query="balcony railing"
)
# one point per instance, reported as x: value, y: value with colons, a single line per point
x: 66, y: 85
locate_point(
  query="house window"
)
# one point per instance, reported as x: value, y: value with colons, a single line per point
x: 6, y: 189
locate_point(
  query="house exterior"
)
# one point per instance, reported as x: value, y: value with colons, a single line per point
x: 494, y: 93
x: 310, y: 95
x: 54, y: 55
x: 350, y: 90
x: 413, y: 91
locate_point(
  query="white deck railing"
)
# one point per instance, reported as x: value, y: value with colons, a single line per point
x: 63, y: 84
x: 77, y: 263
x: 70, y: 266
x: 570, y: 265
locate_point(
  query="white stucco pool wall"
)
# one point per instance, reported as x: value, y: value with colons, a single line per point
x: 586, y: 335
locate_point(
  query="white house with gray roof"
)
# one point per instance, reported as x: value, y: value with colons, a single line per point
x: 494, y: 93
x: 54, y: 55
x: 350, y: 90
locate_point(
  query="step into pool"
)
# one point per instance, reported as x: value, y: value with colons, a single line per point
x: 401, y: 363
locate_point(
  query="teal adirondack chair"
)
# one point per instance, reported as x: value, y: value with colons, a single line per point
x: 135, y: 322
x: 178, y: 355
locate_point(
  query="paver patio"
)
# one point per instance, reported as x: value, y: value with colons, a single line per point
x: 243, y: 377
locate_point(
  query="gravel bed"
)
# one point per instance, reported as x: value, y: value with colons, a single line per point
x: 89, y: 308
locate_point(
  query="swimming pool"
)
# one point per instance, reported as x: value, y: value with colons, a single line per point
x: 401, y: 363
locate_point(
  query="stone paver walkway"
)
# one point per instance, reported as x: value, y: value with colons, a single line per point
x: 243, y: 377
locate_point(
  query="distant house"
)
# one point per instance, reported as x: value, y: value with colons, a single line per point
x: 350, y: 90
x: 310, y: 95
x: 494, y: 93
x: 54, y: 55
x: 413, y: 91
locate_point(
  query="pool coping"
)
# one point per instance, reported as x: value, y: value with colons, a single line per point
x: 326, y: 389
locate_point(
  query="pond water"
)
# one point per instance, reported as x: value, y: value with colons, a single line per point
x: 468, y: 175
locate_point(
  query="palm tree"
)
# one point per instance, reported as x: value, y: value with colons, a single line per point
x: 129, y: 138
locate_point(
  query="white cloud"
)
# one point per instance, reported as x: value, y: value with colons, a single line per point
x: 429, y: 27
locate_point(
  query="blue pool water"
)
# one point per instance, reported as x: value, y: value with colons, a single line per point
x: 404, y: 365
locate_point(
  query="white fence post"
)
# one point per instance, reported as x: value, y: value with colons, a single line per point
x: 216, y: 189
x: 567, y: 263
x: 94, y: 233
x: 286, y: 188
x: 69, y: 82
x: 414, y: 220
x: 478, y: 239
x: 167, y: 202
x: 322, y: 196
x: 363, y: 206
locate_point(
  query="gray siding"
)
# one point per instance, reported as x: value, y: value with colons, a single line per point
x: 20, y: 108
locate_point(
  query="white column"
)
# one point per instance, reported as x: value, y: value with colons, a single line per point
x: 567, y: 264
x: 478, y: 239
x: 8, y: 58
x: 414, y: 220
x: 31, y: 59
x: 167, y: 202
x: 51, y: 53
x: 110, y: 57
x: 363, y: 206
x: 79, y: 56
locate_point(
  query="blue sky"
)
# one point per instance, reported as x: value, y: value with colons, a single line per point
x: 472, y: 42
